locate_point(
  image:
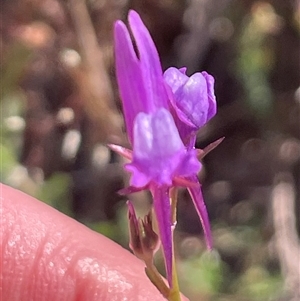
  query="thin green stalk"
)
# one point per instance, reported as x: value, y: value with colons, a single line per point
x: 174, y: 292
x: 157, y: 279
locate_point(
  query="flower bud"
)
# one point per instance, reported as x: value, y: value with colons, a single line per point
x: 144, y: 242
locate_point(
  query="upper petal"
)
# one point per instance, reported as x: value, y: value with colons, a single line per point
x: 129, y: 77
x: 139, y: 75
x: 149, y: 62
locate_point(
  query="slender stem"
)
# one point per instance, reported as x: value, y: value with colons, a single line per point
x: 174, y: 293
x: 156, y: 279
x: 173, y: 200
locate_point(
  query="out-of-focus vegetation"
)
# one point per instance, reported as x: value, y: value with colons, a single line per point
x: 60, y: 107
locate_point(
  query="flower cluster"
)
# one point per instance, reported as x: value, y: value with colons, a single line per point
x: 163, y: 112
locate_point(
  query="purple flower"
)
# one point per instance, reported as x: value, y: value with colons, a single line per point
x: 162, y: 114
x: 159, y: 154
x: 193, y: 100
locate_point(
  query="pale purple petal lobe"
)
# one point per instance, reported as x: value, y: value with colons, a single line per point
x: 175, y: 78
x: 159, y: 154
x: 192, y: 99
x: 212, y: 110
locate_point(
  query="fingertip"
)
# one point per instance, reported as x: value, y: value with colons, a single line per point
x: 49, y: 256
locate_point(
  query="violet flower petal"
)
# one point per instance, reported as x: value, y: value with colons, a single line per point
x: 197, y: 197
x: 175, y: 78
x: 149, y: 62
x: 129, y: 76
x: 192, y: 99
x: 159, y: 154
x: 162, y: 209
x: 212, y: 110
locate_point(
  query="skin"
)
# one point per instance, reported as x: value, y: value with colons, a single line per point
x: 47, y: 256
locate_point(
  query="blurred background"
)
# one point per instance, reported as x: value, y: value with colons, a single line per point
x: 60, y: 108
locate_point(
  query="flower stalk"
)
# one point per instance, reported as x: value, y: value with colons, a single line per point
x: 174, y: 293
